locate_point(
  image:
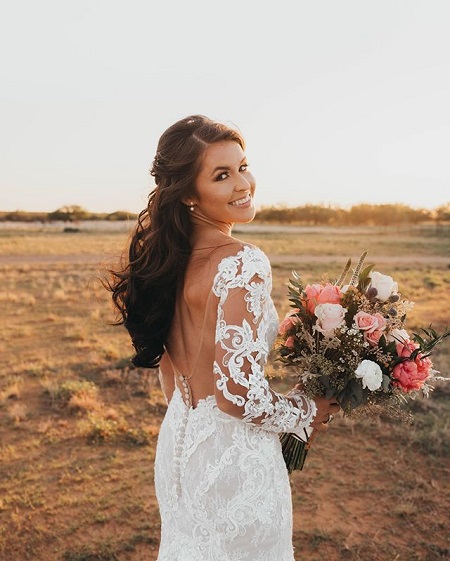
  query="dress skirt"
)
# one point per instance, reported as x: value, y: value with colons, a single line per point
x: 222, y: 487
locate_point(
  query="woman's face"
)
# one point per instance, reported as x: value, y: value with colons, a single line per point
x: 224, y: 185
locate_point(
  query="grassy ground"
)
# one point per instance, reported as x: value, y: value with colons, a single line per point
x: 79, y: 427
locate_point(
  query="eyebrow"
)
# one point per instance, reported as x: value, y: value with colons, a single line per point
x: 226, y: 168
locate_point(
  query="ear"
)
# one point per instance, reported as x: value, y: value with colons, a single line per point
x: 188, y: 201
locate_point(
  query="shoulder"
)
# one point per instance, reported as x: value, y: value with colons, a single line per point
x: 238, y: 264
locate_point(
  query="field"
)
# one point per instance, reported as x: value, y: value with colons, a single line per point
x: 79, y: 426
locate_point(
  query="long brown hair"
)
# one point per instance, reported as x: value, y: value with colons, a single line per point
x: 144, y: 288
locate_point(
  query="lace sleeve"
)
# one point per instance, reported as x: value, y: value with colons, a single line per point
x: 243, y: 332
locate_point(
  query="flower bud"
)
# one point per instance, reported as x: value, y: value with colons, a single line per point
x: 371, y: 293
x: 394, y: 298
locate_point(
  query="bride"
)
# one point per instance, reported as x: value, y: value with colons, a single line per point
x: 196, y: 301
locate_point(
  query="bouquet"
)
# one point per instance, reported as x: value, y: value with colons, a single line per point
x: 349, y: 342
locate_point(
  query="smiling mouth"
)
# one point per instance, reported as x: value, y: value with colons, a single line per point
x: 242, y: 201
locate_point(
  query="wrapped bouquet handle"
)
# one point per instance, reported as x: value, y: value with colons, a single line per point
x: 295, y: 448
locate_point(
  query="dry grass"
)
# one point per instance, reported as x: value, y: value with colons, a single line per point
x: 58, y: 243
x: 79, y: 426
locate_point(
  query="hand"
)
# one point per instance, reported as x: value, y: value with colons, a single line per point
x: 325, y: 409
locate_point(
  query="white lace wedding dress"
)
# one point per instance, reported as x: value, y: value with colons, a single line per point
x: 221, y: 482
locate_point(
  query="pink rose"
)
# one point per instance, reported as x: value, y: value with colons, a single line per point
x: 369, y: 323
x: 320, y: 294
x: 372, y: 326
x: 289, y: 321
x: 312, y: 293
x: 290, y: 342
x: 374, y: 337
x: 329, y: 318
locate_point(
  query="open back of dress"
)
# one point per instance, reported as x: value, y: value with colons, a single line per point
x: 221, y: 482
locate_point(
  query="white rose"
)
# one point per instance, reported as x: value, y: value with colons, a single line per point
x: 370, y: 374
x: 329, y: 317
x: 384, y: 285
x: 398, y: 335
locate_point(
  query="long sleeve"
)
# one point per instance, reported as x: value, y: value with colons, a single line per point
x: 246, y: 328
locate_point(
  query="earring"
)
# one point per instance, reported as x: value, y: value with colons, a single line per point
x: 191, y: 207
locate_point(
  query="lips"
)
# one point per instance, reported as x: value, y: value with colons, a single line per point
x: 242, y: 201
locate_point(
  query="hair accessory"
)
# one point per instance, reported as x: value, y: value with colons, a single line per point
x: 157, y: 158
x: 155, y: 165
x: 191, y: 207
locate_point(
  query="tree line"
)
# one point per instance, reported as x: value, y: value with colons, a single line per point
x: 309, y: 214
x: 70, y: 213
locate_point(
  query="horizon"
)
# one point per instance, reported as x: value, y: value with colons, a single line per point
x: 258, y: 208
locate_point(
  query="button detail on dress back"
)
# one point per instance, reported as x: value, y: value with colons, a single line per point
x: 187, y: 390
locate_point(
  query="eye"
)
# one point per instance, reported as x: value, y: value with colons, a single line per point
x: 222, y: 176
x: 244, y: 167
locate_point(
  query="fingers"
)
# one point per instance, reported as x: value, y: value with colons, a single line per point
x: 320, y: 425
x: 325, y: 413
x: 334, y: 408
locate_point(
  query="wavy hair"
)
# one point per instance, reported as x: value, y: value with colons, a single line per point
x: 144, y: 288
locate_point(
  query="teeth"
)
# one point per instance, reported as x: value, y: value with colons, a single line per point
x: 241, y: 201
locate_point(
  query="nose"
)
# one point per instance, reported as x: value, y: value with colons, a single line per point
x: 244, y: 183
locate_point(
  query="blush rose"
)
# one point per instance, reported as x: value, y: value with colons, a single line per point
x: 329, y: 318
x: 372, y: 326
x: 321, y: 294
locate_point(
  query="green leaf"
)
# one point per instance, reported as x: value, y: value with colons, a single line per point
x: 364, y: 279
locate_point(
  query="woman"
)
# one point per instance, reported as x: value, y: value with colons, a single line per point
x: 196, y: 302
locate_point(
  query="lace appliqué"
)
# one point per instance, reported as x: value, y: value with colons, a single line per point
x: 243, y: 348
x: 221, y: 487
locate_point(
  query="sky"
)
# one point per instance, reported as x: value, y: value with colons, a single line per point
x: 340, y: 102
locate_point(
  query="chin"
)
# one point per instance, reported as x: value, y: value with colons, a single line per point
x: 248, y: 217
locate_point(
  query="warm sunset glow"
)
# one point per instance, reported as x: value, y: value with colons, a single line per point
x: 340, y: 102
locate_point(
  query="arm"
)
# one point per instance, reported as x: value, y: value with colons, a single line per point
x: 166, y: 378
x: 242, y: 348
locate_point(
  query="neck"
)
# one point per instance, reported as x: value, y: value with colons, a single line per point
x: 207, y: 229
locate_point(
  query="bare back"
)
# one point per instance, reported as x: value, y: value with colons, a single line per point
x: 191, y: 341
